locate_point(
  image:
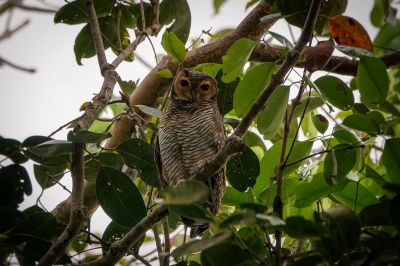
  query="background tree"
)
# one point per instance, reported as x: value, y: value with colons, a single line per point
x: 311, y: 180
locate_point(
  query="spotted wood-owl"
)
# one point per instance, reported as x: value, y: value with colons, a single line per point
x: 191, y: 134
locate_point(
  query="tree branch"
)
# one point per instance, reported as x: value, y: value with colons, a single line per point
x: 77, y: 214
x: 18, y: 67
x: 233, y: 143
x: 122, y: 246
x: 96, y: 34
x: 9, y: 32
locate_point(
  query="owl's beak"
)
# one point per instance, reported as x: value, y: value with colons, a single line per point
x: 194, y: 95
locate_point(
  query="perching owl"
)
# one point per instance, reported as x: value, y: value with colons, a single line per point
x: 191, y: 134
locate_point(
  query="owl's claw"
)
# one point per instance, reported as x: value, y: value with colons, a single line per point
x: 235, y: 144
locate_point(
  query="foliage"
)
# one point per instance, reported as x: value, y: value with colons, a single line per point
x: 340, y: 168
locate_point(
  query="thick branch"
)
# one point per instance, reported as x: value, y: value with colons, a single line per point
x: 122, y: 246
x: 153, y: 86
x: 77, y: 216
x: 336, y: 64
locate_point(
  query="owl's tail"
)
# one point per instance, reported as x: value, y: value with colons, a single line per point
x: 196, y: 229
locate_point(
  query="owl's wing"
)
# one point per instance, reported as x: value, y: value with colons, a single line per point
x: 157, y: 160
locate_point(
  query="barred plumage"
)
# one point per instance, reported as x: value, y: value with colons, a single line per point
x: 192, y: 133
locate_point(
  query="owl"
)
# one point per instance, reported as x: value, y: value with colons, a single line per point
x: 191, y: 134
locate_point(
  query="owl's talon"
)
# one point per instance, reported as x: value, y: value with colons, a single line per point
x: 235, y: 143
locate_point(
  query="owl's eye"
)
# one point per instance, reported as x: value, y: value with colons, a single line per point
x: 205, y: 87
x: 184, y: 83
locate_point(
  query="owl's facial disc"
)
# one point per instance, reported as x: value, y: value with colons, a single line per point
x: 182, y: 87
x: 193, y: 86
x: 206, y: 90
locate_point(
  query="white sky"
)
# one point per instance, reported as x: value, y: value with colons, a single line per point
x: 37, y: 104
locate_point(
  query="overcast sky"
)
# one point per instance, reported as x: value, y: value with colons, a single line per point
x: 37, y: 104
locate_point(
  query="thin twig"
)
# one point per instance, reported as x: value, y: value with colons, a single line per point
x: 139, y: 258
x: 167, y: 241
x: 157, y: 239
x: 96, y: 34
x: 18, y: 67
x: 9, y: 32
x: 61, y: 127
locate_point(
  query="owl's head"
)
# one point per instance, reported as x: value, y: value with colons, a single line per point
x: 193, y: 86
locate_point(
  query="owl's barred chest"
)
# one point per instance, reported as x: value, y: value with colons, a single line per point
x: 187, y: 139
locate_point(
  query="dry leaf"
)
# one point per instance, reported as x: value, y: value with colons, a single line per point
x: 317, y: 56
x: 85, y: 106
x: 348, y: 31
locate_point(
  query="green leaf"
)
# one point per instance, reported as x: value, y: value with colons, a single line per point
x: 119, y: 197
x: 14, y: 183
x: 87, y: 137
x: 235, y: 59
x: 47, y: 176
x: 251, y: 86
x: 356, y: 195
x: 343, y: 232
x: 372, y: 80
x: 41, y: 225
x: 94, y: 165
x: 165, y: 73
x: 178, y: 12
x: 186, y: 192
x: 270, y: 162
x: 388, y: 38
x: 211, y: 69
x: 127, y: 87
x: 362, y: 123
x: 312, y: 103
x: 52, y: 148
x: 253, y: 140
x: 217, y: 5
x: 375, y: 215
x: 221, y: 255
x: 157, y: 113
x: 298, y: 227
x: 270, y: 119
x: 225, y: 94
x: 112, y: 233
x: 200, y: 245
x: 282, y: 39
x: 308, y: 193
x: 233, y: 197
x: 191, y: 211
x: 84, y: 46
x: 33, y: 248
x: 321, y: 123
x: 244, y: 216
x: 330, y: 8
x: 296, y: 10
x: 173, y: 46
x: 353, y: 51
x: 11, y: 149
x: 51, y: 161
x: 338, y: 163
x: 139, y: 155
x: 74, y: 12
x: 377, y: 15
x: 243, y: 169
x: 344, y: 136
x: 336, y: 92
x: 391, y: 158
